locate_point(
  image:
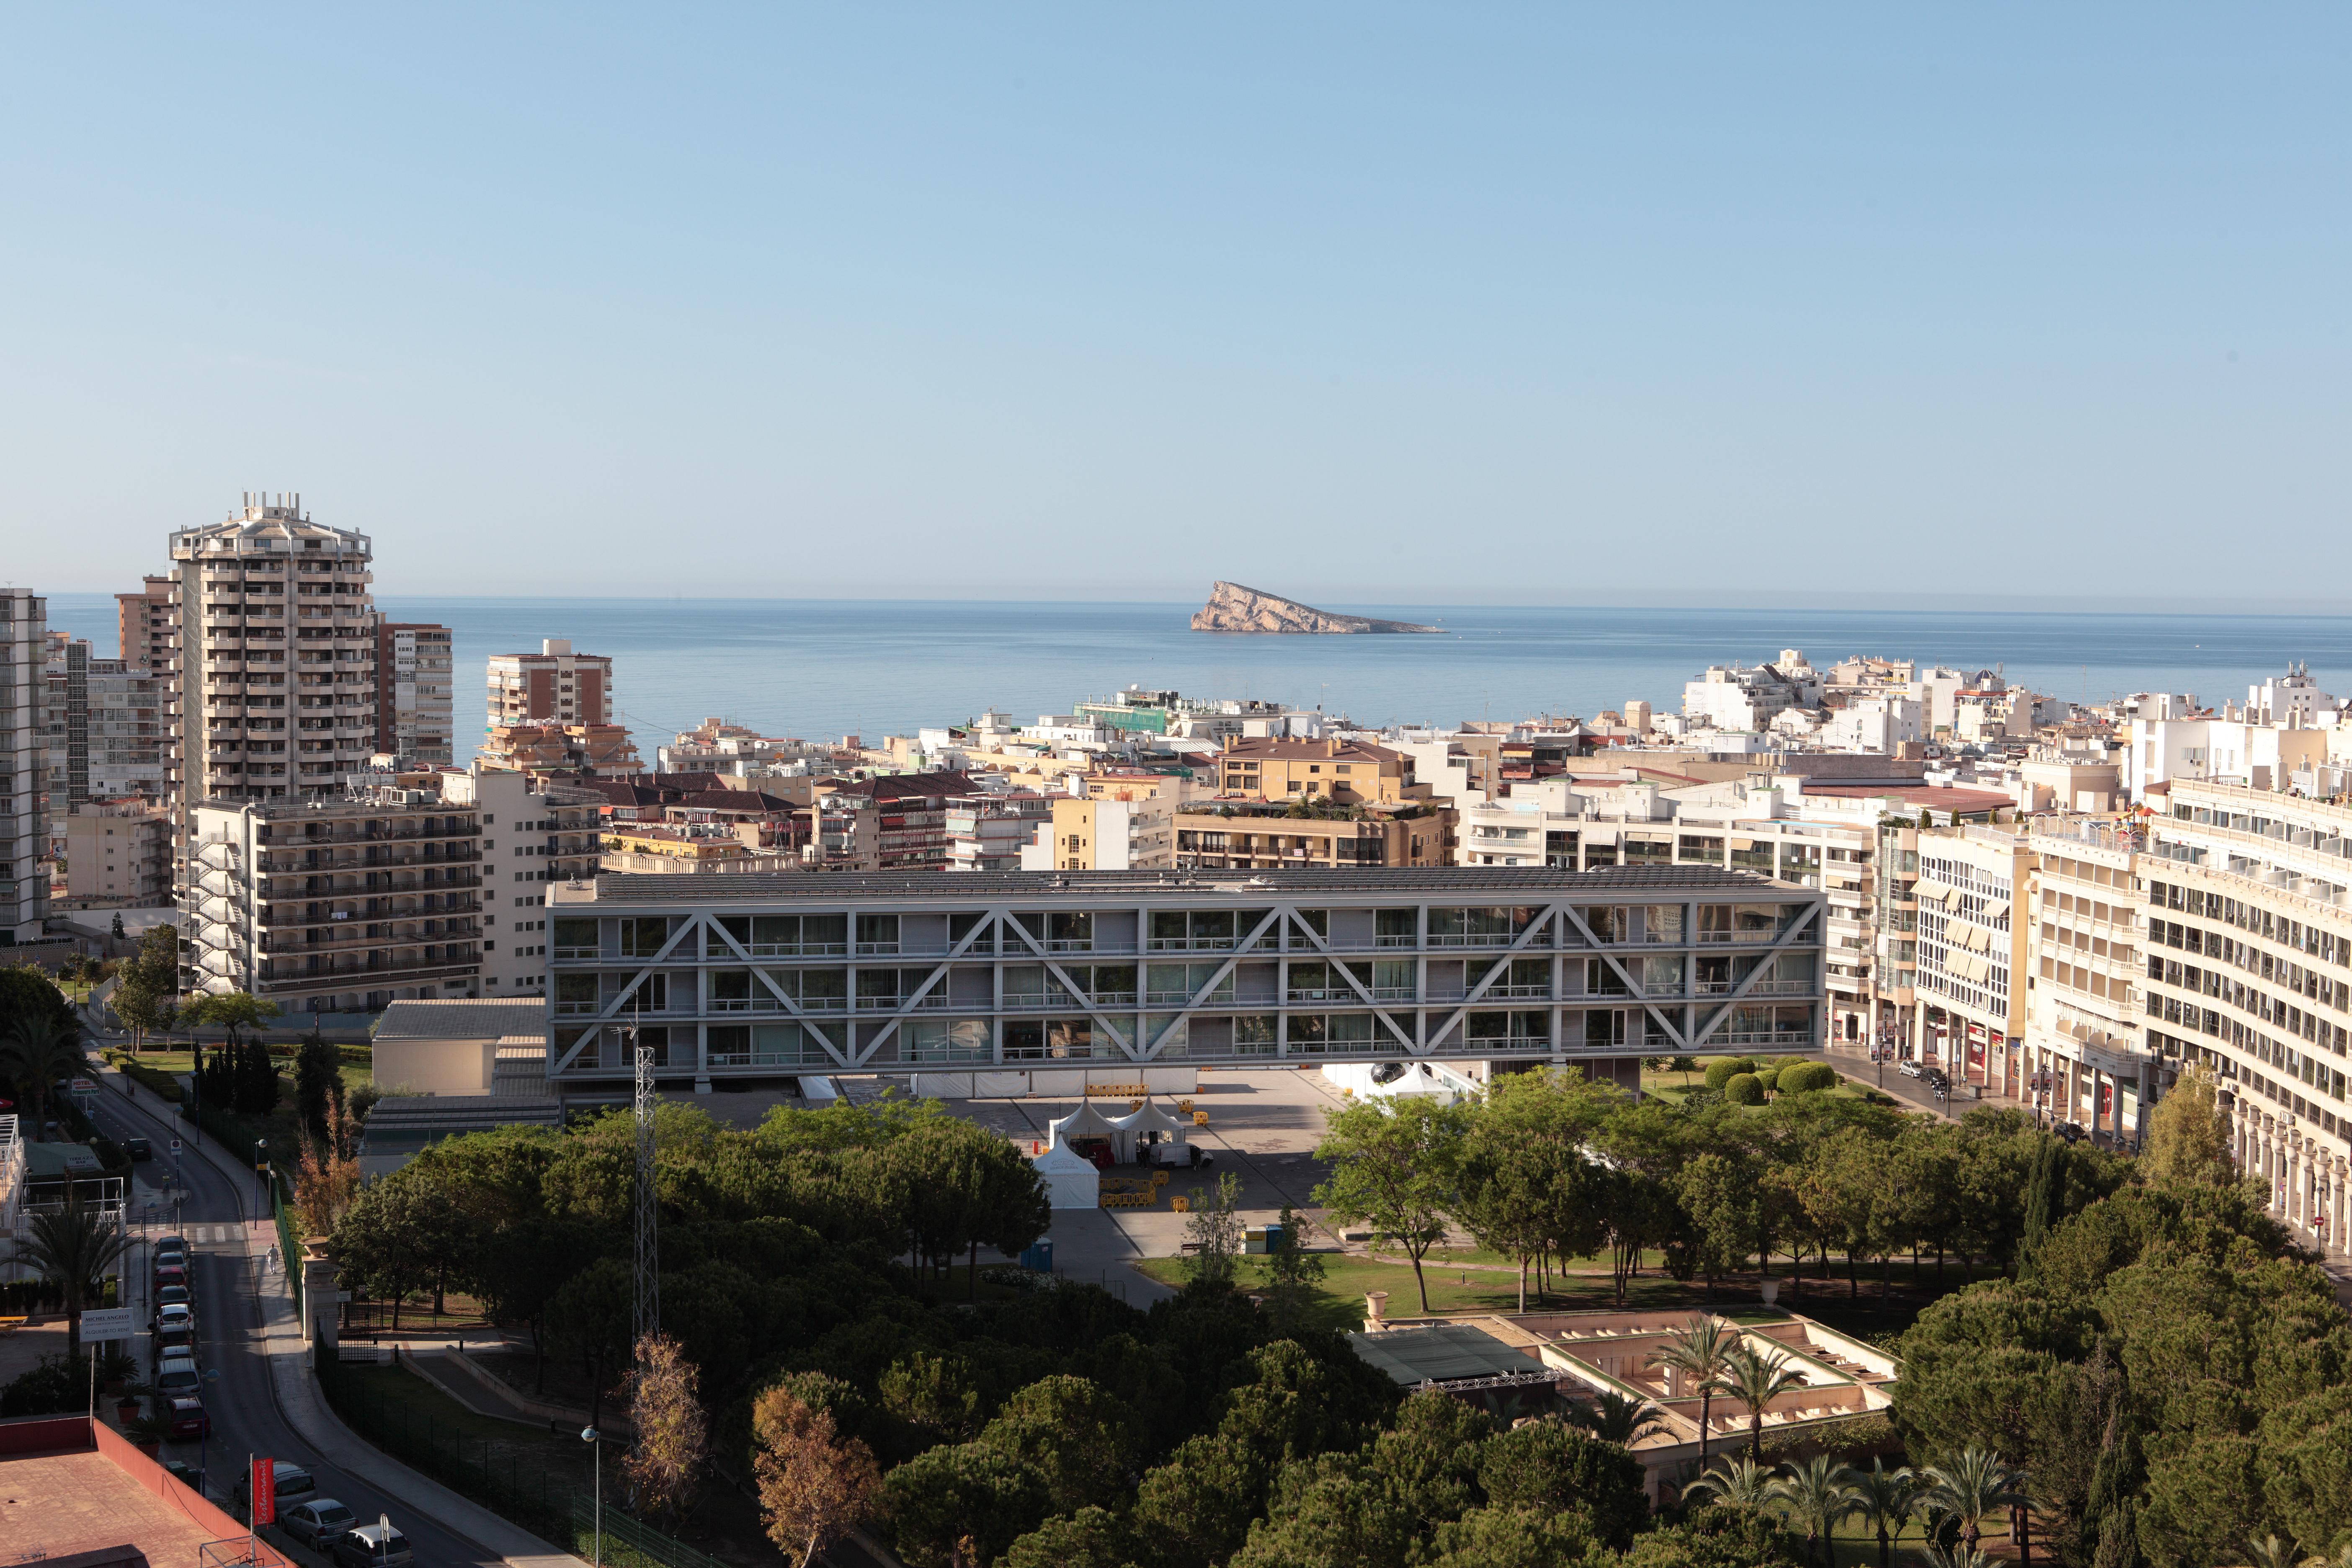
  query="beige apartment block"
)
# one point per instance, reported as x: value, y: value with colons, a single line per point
x: 143, y: 626
x: 337, y: 906
x: 1349, y: 773
x: 274, y: 696
x: 1267, y: 837
x: 1109, y: 835
x: 118, y: 852
x: 2086, y: 1059
x: 553, y: 686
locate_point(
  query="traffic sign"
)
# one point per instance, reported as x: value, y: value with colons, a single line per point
x: 107, y: 1323
x: 176, y: 1145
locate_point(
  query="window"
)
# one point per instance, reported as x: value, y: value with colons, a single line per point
x: 644, y: 936
x: 940, y: 1040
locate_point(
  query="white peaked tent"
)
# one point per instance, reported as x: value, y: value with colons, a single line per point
x: 1128, y: 1131
x: 1086, y: 1122
x: 1071, y: 1180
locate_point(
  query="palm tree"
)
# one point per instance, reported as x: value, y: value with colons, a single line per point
x: 38, y: 1050
x: 1617, y: 1418
x: 1818, y: 1495
x: 1700, y: 1351
x: 1756, y: 1379
x: 74, y: 1245
x: 1958, y: 1555
x: 2270, y: 1552
x: 1969, y: 1485
x: 1736, y: 1482
x: 1885, y: 1498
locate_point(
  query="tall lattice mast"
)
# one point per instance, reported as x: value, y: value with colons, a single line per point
x: 648, y: 1268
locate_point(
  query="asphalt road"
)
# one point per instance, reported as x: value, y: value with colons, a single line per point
x: 240, y: 1398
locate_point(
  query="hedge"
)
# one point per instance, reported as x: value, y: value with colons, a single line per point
x: 1721, y: 1070
x: 1767, y: 1078
x: 1806, y: 1077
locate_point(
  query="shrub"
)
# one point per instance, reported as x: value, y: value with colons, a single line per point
x: 1767, y: 1079
x: 1806, y: 1077
x: 1721, y: 1070
x: 1743, y: 1088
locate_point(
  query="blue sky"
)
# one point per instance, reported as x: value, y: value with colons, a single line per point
x: 1358, y: 303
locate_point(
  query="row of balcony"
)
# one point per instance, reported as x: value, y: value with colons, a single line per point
x: 1223, y: 945
x: 765, y: 1004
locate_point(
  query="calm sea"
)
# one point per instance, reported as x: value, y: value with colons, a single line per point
x: 830, y: 668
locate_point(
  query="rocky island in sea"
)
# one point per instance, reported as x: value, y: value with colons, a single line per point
x: 1234, y: 608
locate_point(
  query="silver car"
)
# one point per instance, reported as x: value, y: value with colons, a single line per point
x: 316, y: 1523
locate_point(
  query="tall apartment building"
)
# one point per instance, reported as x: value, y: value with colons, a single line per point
x: 275, y: 689
x: 106, y: 725
x: 1110, y: 972
x: 533, y: 833
x: 2085, y: 1035
x: 336, y: 905
x: 2248, y: 943
x: 143, y: 626
x: 414, y: 718
x: 23, y: 765
x: 1101, y: 834
x: 1972, y: 958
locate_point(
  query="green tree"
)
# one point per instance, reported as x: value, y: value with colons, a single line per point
x: 1735, y: 1482
x: 1969, y: 1486
x: 1294, y: 1276
x: 1755, y: 1378
x: 1719, y: 1195
x: 1551, y: 1466
x: 2189, y: 1134
x: 231, y: 1012
x: 1697, y: 1358
x: 39, y: 1048
x: 1091, y: 1538
x: 1214, y: 1229
x: 318, y: 1080
x: 73, y: 1247
x: 1818, y: 1494
x: 593, y: 1314
x: 1074, y: 1436
x: 143, y: 1009
x: 1883, y: 1499
x: 1512, y: 1538
x: 1393, y: 1166
x: 964, y: 1492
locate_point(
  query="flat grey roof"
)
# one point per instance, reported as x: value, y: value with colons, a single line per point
x: 462, y: 1019
x: 1490, y: 881
x: 1441, y: 1352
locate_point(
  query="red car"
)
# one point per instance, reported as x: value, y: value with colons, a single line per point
x: 170, y: 1274
x: 189, y: 1420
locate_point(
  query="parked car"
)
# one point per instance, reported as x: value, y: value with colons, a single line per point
x: 317, y: 1522
x: 139, y: 1148
x: 175, y: 1296
x: 377, y: 1545
x: 189, y: 1420
x: 171, y: 1244
x: 1910, y: 1068
x: 293, y: 1481
x: 170, y: 1252
x: 178, y: 1376
x: 170, y: 1274
x: 180, y: 1340
x: 171, y: 1318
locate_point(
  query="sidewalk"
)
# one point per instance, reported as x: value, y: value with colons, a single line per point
x: 304, y: 1407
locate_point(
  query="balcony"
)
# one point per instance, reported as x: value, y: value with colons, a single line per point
x: 1537, y: 993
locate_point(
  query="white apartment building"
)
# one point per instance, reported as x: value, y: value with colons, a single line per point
x: 336, y: 905
x: 117, y: 853
x: 1972, y: 957
x: 2222, y: 750
x: 105, y: 723
x: 1877, y: 725
x: 1737, y: 697
x: 1101, y: 834
x: 274, y: 690
x: 531, y: 836
x: 23, y: 765
x: 415, y: 717
x: 2248, y: 936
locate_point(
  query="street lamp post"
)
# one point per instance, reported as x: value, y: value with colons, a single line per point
x: 588, y: 1436
x: 260, y: 1175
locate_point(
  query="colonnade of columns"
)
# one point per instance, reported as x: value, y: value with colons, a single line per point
x: 2308, y: 1183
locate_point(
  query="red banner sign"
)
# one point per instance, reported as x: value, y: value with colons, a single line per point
x: 265, y: 1491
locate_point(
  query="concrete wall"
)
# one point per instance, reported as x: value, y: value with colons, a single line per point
x: 434, y: 1066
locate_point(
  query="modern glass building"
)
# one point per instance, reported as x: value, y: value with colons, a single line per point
x: 756, y: 974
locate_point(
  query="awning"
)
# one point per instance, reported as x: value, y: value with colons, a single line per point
x: 1929, y: 889
x: 1996, y: 909
x: 1743, y: 843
